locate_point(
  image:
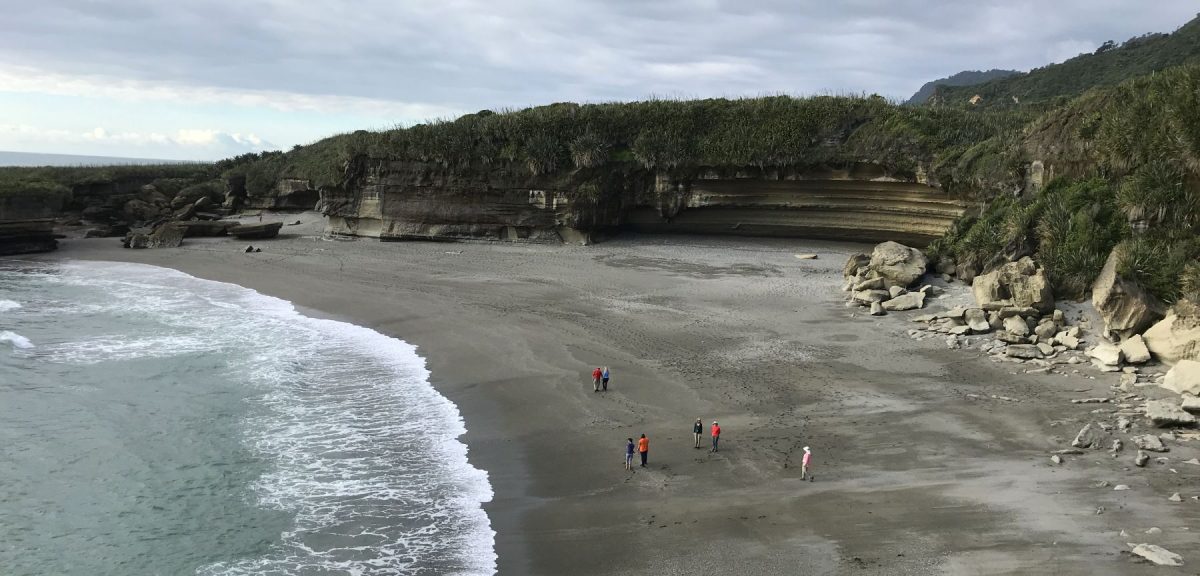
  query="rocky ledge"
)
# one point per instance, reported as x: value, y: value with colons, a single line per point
x: 27, y: 221
x: 396, y: 200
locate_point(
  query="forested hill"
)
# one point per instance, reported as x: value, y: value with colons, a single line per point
x: 1110, y: 64
x: 964, y: 78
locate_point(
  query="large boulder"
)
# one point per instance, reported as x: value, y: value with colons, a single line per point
x: 166, y: 236
x: 897, y: 264
x: 1019, y: 283
x: 1126, y: 307
x: 1134, y: 349
x: 1183, y: 378
x: 1177, y: 336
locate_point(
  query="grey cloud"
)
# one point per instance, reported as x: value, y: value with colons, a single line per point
x: 470, y: 54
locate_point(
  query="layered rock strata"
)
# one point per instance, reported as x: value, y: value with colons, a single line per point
x: 27, y: 222
x: 394, y: 200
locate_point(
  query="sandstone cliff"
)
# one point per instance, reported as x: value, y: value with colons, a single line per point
x: 398, y: 200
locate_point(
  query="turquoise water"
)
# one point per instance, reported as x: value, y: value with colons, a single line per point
x: 155, y: 423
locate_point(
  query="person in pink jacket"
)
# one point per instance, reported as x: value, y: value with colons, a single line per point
x: 804, y: 463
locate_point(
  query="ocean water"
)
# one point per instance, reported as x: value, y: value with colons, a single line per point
x: 152, y: 423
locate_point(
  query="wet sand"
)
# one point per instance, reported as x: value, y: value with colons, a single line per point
x: 917, y: 469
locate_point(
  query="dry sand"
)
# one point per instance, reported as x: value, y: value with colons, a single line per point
x: 917, y: 470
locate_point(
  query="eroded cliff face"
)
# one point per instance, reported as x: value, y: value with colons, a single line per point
x: 394, y: 200
x: 27, y: 223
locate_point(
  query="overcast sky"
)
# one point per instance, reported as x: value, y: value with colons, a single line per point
x: 204, y: 79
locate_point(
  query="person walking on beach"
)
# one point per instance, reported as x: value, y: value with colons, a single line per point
x: 716, y: 434
x: 644, y: 448
x: 604, y: 378
x: 629, y: 454
x: 596, y: 380
x: 698, y: 430
x: 804, y: 464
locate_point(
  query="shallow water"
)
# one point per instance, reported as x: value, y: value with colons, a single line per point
x: 155, y: 423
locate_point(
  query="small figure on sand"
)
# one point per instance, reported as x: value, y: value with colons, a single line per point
x: 804, y: 464
x: 596, y: 379
x: 629, y: 454
x: 698, y: 430
x: 644, y: 448
x: 604, y: 378
x: 716, y: 434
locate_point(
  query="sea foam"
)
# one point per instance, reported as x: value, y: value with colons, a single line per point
x: 17, y: 340
x: 362, y: 452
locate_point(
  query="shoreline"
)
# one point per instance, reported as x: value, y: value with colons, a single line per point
x: 913, y: 474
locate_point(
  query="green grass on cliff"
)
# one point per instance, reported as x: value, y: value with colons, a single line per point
x: 1109, y: 65
x: 1127, y: 161
x: 677, y: 137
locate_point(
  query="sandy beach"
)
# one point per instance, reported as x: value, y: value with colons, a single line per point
x: 920, y: 467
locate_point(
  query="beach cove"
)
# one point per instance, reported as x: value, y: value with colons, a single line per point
x: 918, y: 469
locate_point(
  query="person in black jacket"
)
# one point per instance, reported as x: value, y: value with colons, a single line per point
x: 698, y: 430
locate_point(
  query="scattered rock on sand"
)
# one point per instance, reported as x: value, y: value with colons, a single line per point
x: 896, y: 291
x: 1149, y: 442
x: 1184, y: 378
x: 1193, y: 461
x: 256, y: 231
x: 1116, y: 446
x: 877, y: 309
x: 1121, y: 487
x: 977, y: 320
x: 868, y: 297
x: 1087, y: 437
x: 1166, y: 414
x: 1106, y: 354
x: 1141, y: 459
x: 1016, y: 325
x: 1191, y: 404
x: 909, y: 301
x: 1157, y: 554
x: 1134, y: 349
x: 1175, y: 497
x: 869, y: 284
x: 798, y: 256
x: 1056, y: 459
x: 1023, y: 351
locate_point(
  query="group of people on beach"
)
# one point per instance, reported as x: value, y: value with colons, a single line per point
x: 600, y: 378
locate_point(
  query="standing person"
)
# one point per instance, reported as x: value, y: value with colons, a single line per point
x: 644, y: 448
x: 629, y: 454
x: 604, y: 378
x: 804, y: 464
x: 596, y: 380
x: 716, y: 434
x: 697, y: 430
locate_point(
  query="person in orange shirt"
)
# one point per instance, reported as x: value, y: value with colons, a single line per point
x: 716, y: 435
x: 644, y: 448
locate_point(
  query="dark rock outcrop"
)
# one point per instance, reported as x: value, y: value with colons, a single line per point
x: 287, y: 194
x: 27, y: 221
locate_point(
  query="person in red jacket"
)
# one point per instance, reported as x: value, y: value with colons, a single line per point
x: 716, y: 434
x: 596, y: 380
